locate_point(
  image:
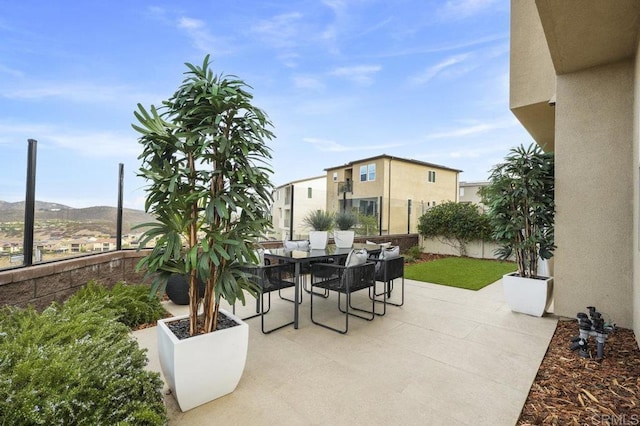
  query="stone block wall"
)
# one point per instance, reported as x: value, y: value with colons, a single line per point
x: 41, y: 284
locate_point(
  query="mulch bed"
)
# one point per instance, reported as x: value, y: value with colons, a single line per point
x: 571, y: 390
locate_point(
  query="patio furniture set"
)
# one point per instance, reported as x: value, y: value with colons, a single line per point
x: 320, y: 272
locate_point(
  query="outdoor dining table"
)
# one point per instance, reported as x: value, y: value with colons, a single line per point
x: 300, y: 257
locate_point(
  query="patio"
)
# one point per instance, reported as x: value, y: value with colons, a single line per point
x: 448, y: 356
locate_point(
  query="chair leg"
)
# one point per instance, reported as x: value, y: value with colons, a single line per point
x: 346, y: 323
x: 372, y: 312
x: 390, y: 289
x: 324, y: 294
x: 263, y: 314
x: 373, y: 295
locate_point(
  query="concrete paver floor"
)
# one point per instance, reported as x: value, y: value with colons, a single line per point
x: 448, y: 356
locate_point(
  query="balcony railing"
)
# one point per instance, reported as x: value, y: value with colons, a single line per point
x: 345, y: 187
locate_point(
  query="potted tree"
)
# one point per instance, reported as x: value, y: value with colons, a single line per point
x: 204, y: 157
x: 321, y: 222
x: 521, y: 204
x: 344, y: 235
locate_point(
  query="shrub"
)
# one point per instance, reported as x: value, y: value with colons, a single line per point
x: 455, y: 224
x: 131, y: 302
x: 74, y: 364
x: 345, y: 220
x: 366, y: 225
x: 412, y: 254
x: 319, y: 220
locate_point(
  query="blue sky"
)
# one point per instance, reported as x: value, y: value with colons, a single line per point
x: 341, y: 80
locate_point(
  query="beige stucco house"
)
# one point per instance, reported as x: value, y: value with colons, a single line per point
x: 395, y: 190
x: 575, y: 86
x: 292, y: 202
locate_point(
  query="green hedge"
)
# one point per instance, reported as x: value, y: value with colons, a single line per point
x: 75, y: 363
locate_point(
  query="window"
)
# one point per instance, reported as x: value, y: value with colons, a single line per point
x: 461, y: 191
x: 287, y: 195
x: 432, y: 176
x: 368, y: 172
x: 368, y: 207
x: 335, y: 176
x: 309, y: 192
x: 287, y: 217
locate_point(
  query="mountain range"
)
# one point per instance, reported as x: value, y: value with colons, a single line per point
x: 14, y: 212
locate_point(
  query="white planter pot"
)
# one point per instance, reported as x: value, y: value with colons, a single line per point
x: 529, y: 296
x: 318, y: 240
x: 344, y: 239
x: 205, y: 367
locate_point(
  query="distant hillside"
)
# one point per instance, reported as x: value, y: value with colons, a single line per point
x: 14, y: 212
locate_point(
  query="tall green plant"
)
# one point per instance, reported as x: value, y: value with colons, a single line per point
x: 521, y: 204
x: 205, y: 157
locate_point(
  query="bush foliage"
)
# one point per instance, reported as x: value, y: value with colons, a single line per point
x: 74, y: 364
x: 131, y: 303
x: 455, y: 224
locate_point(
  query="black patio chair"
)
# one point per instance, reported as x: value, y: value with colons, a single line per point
x: 270, y: 278
x: 388, y: 270
x: 344, y: 280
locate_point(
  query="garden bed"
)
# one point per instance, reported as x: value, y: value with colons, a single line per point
x: 570, y: 390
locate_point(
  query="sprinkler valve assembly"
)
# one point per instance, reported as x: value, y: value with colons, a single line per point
x: 591, y: 325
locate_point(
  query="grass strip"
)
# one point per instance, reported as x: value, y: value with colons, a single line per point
x: 461, y: 272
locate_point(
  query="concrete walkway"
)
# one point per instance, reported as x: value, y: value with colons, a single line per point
x: 448, y: 356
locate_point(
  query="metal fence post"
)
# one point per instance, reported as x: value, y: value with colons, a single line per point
x: 29, y: 205
x: 119, y: 212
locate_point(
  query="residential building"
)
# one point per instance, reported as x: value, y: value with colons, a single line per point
x: 575, y: 86
x: 469, y: 192
x: 292, y: 202
x: 397, y: 191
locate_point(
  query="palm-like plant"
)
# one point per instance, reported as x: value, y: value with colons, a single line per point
x: 205, y: 158
x: 521, y: 204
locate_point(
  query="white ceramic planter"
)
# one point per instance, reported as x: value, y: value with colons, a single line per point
x: 318, y: 240
x: 344, y: 239
x: 205, y: 367
x: 529, y: 296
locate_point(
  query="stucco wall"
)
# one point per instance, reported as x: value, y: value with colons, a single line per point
x: 477, y: 249
x: 594, y: 191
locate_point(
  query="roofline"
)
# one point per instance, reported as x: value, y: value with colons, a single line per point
x: 300, y: 180
x: 475, y: 183
x: 391, y: 157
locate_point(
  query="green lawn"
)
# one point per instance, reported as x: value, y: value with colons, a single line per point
x: 463, y: 272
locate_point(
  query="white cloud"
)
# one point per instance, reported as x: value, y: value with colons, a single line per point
x: 201, y: 37
x: 281, y: 31
x: 80, y: 92
x: 89, y: 143
x: 459, y: 9
x: 11, y: 71
x: 360, y: 74
x: 308, y: 82
x: 332, y: 146
x: 474, y: 129
x: 441, y: 67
